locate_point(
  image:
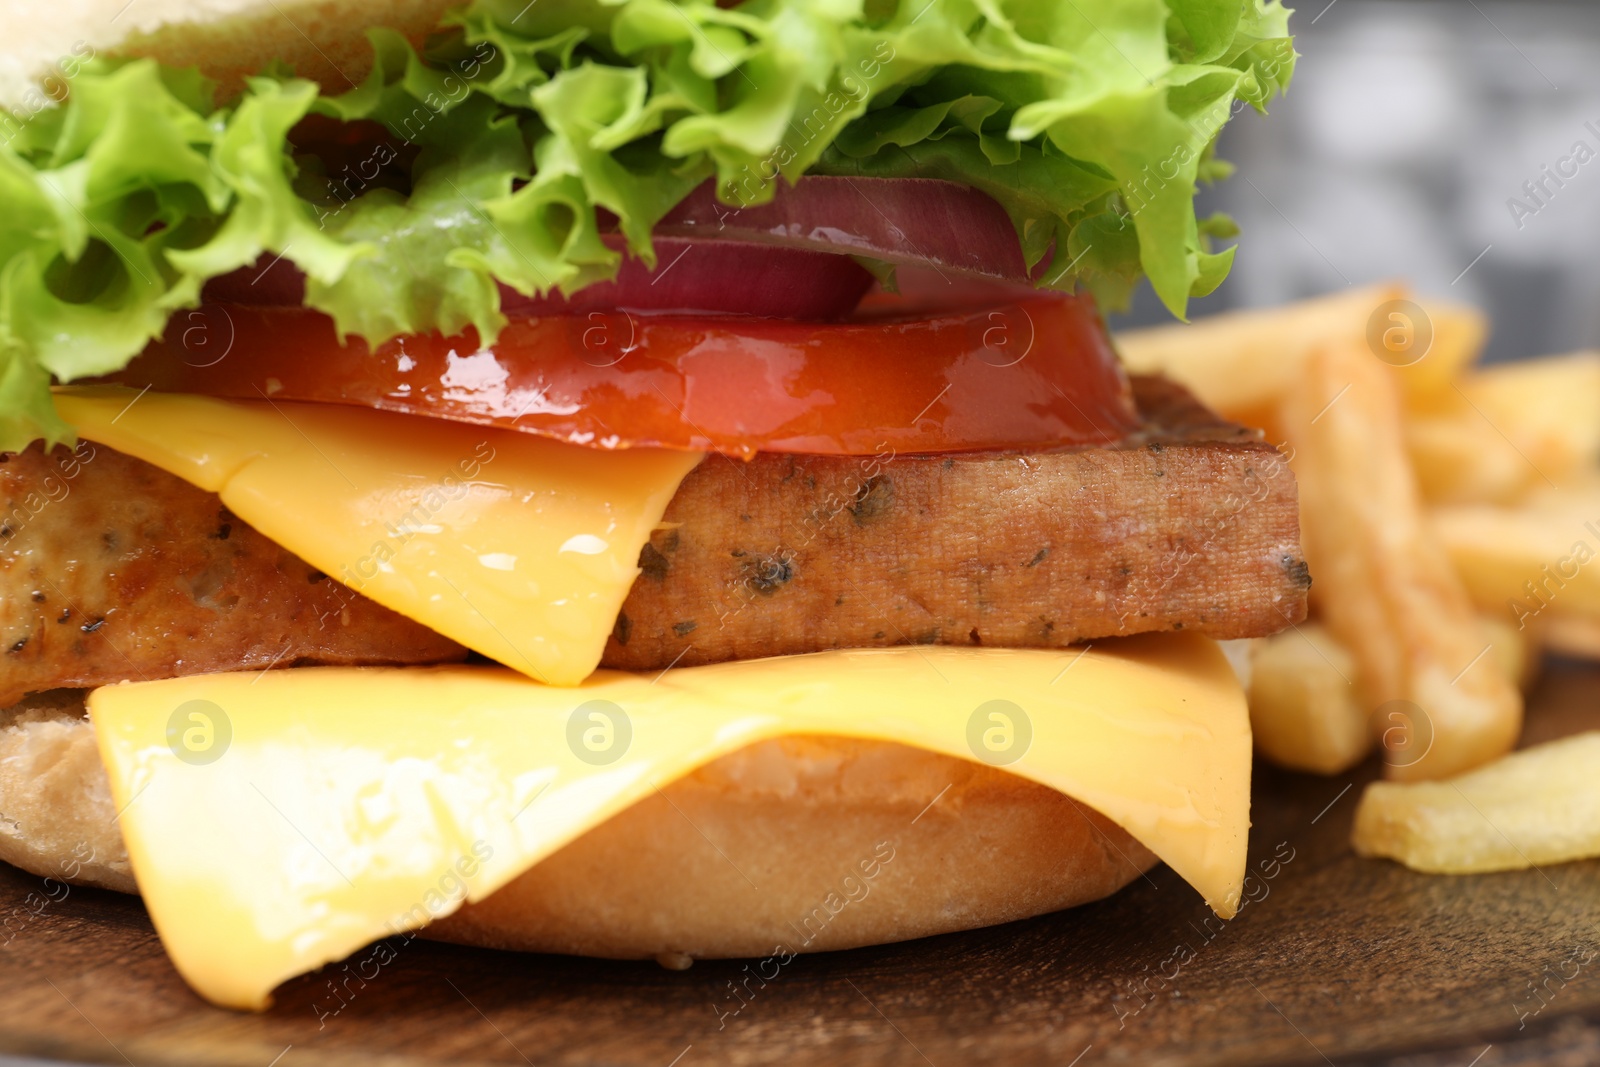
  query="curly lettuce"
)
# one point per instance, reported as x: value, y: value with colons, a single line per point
x: 519, y: 127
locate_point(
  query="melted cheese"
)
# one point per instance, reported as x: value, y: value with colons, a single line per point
x: 349, y: 804
x: 518, y: 547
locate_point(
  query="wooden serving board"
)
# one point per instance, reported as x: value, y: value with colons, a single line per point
x: 1336, y: 960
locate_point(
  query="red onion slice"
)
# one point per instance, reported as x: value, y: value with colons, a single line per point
x: 788, y: 258
x: 697, y: 276
x: 913, y: 221
x: 692, y: 276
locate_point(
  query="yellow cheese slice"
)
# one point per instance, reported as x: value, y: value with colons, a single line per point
x: 280, y: 820
x: 518, y: 547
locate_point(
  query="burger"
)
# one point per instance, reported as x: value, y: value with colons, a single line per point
x: 631, y: 478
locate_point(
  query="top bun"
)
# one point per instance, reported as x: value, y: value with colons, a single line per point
x: 44, y: 41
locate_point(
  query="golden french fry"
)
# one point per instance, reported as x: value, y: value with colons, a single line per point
x: 1509, y: 429
x: 1304, y: 709
x: 1243, y: 363
x: 1521, y: 562
x: 1549, y: 409
x: 1460, y: 459
x: 1514, y: 649
x: 1458, y: 335
x: 1383, y: 585
x: 1537, y: 806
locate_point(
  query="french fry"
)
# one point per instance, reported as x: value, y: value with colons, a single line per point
x: 1509, y: 429
x: 1330, y: 378
x: 1535, y: 807
x: 1460, y: 459
x: 1459, y: 332
x: 1515, y: 650
x: 1304, y: 709
x: 1307, y: 714
x: 1243, y: 363
x: 1385, y: 589
x: 1520, y: 562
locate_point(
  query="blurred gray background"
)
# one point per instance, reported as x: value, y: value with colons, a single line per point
x: 1408, y: 128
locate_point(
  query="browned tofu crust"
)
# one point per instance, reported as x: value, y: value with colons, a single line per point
x: 1191, y: 525
x: 112, y: 569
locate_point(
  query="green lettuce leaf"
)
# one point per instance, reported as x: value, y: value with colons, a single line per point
x: 518, y: 127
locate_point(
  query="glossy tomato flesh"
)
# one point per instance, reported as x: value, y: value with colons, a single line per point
x: 1029, y: 373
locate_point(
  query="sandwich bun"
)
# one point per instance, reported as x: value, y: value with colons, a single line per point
x: 799, y: 843
x: 324, y: 40
x: 803, y: 843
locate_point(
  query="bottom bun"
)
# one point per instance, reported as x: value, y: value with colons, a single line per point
x: 792, y: 845
x: 809, y: 843
x: 56, y: 815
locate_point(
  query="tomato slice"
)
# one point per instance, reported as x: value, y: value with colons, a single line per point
x: 1030, y: 373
